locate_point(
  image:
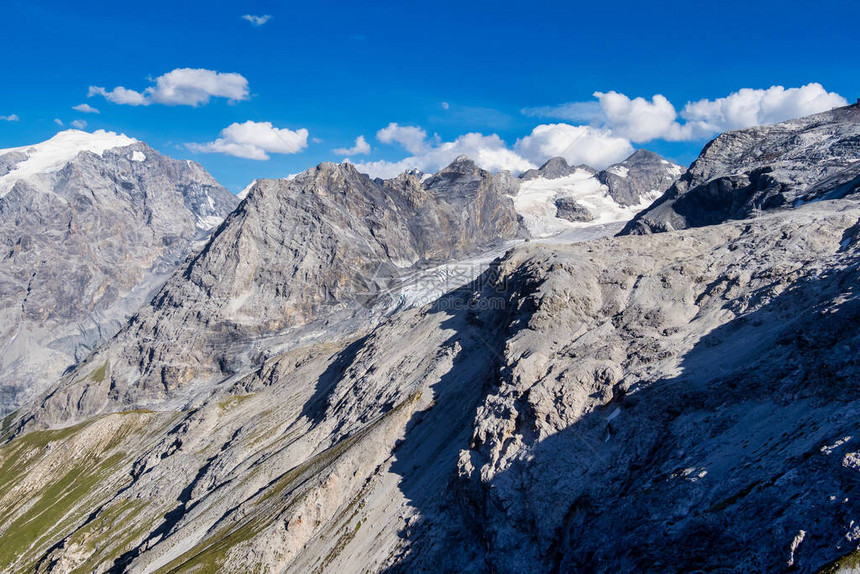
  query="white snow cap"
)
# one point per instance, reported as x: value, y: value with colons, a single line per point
x: 52, y: 155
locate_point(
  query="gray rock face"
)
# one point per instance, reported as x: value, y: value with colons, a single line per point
x: 84, y: 246
x: 642, y: 174
x: 744, y: 172
x: 294, y: 252
x: 568, y: 208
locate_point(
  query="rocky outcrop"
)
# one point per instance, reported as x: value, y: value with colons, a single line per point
x: 568, y: 208
x: 87, y: 236
x: 744, y: 172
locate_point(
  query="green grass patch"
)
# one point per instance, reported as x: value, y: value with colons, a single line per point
x: 68, y: 494
x: 232, y: 401
x: 48, y: 513
x: 111, y: 533
x: 99, y: 374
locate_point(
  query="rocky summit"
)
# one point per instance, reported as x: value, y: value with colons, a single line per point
x: 742, y: 173
x: 683, y: 401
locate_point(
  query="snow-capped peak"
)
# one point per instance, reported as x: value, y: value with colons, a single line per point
x: 51, y: 155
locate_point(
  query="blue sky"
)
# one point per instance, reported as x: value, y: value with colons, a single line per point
x: 340, y: 70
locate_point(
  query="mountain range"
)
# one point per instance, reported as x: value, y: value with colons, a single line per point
x: 457, y: 372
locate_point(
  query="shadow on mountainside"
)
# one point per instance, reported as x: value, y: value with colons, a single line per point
x: 733, y: 465
x: 314, y: 408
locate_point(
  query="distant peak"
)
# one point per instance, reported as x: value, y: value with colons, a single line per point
x: 643, y: 155
x: 553, y: 168
x: 462, y: 164
x: 554, y: 163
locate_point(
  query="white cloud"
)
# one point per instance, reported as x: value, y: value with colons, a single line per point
x: 642, y: 120
x: 255, y: 140
x: 119, y: 95
x: 10, y: 118
x: 181, y: 87
x: 445, y: 105
x: 749, y: 107
x: 85, y: 108
x: 489, y: 152
x: 361, y: 147
x: 413, y: 138
x: 595, y: 147
x: 58, y: 121
x: 257, y: 20
x: 79, y: 124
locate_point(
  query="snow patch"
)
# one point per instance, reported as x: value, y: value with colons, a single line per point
x: 52, y: 155
x: 828, y: 449
x: 137, y: 156
x: 619, y: 170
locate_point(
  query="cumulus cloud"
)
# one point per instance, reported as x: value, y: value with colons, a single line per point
x: 430, y: 155
x: 85, y: 108
x: 361, y: 147
x: 255, y: 140
x: 119, y: 95
x: 413, y: 138
x: 748, y: 107
x: 79, y: 124
x: 181, y: 87
x: 642, y: 120
x: 10, y: 118
x: 257, y: 20
x: 595, y: 147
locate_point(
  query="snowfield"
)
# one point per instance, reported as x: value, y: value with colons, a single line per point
x: 535, y: 202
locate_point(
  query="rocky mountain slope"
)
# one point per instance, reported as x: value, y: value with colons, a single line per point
x: 90, y: 225
x: 558, y: 197
x: 680, y: 401
x: 673, y: 402
x: 297, y: 258
x: 744, y: 172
